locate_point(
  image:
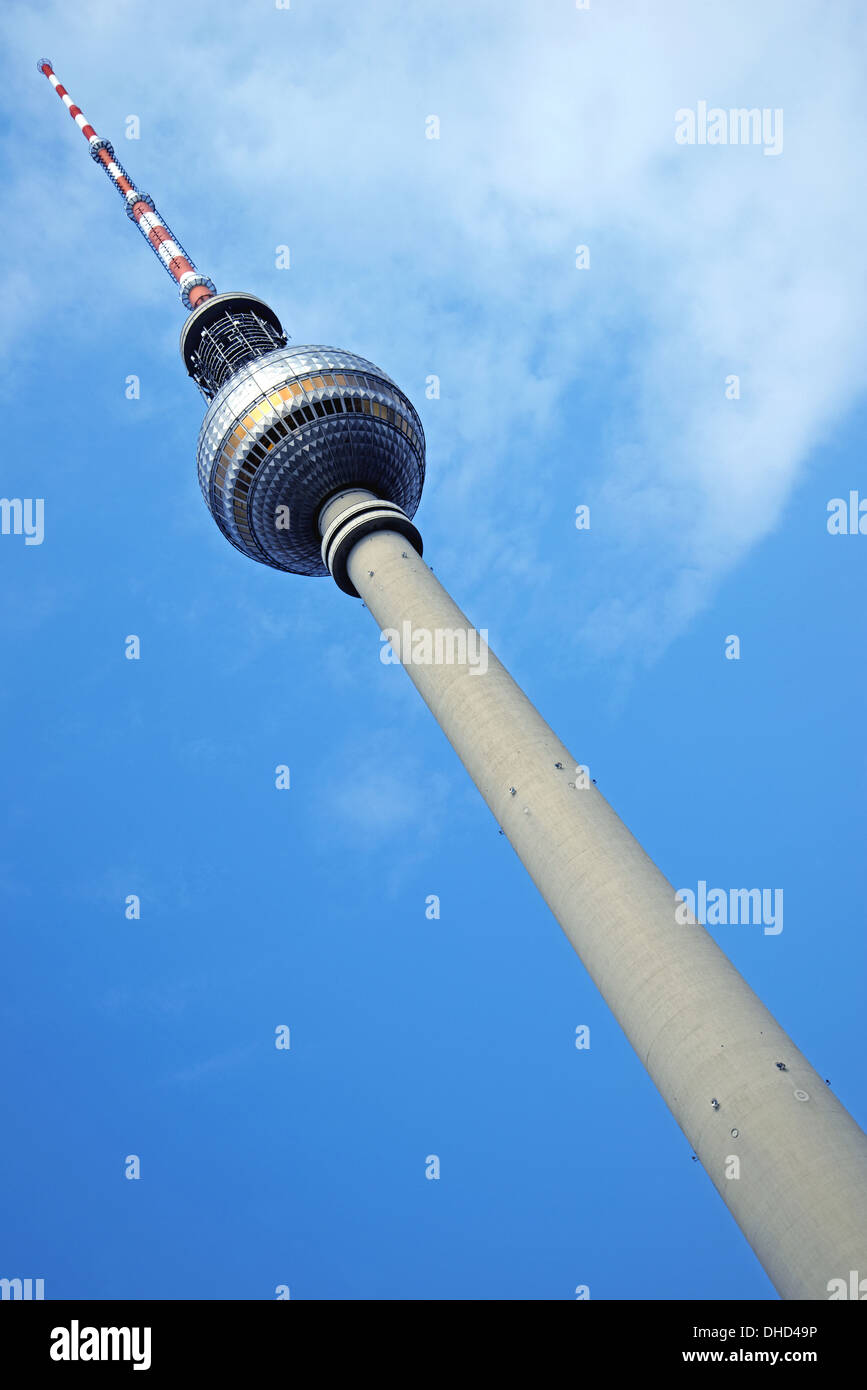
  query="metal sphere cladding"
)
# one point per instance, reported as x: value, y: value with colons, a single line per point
x: 289, y: 426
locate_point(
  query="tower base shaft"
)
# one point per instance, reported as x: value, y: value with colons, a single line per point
x: 800, y: 1196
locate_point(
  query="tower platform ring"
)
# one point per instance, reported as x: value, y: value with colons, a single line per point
x: 352, y: 525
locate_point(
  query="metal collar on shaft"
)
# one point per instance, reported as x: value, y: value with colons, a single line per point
x: 348, y: 527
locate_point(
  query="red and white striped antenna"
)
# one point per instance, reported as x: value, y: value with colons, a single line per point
x: 194, y: 288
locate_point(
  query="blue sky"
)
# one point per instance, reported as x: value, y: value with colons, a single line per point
x: 559, y: 387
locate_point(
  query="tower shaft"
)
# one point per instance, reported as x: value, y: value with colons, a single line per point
x: 800, y: 1193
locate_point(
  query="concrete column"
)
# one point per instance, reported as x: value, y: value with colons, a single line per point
x: 708, y: 1042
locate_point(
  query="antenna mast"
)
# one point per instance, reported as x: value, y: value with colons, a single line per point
x: 194, y: 288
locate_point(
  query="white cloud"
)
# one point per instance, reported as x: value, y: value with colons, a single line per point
x: 456, y: 256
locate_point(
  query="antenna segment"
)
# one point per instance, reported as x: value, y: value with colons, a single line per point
x: 194, y: 288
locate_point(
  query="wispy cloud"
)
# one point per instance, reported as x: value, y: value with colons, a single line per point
x: 220, y: 1062
x: 456, y: 256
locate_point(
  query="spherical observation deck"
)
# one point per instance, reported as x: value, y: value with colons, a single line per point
x: 290, y: 428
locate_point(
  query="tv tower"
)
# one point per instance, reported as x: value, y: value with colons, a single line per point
x: 312, y: 460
